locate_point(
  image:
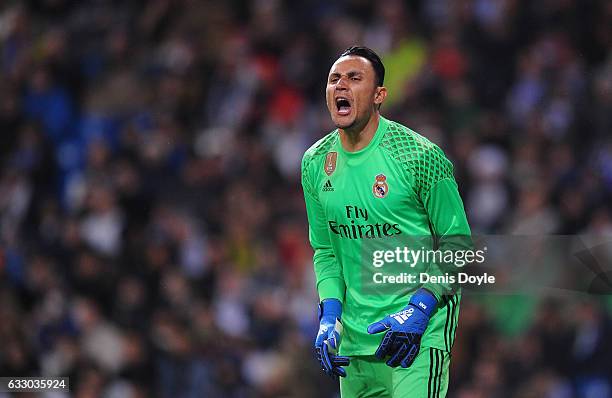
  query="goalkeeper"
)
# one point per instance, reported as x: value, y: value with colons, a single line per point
x: 374, y: 180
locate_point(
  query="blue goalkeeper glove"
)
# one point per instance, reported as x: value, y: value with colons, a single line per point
x: 404, y: 330
x: 328, y: 338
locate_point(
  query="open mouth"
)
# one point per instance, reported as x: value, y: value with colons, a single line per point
x: 343, y: 105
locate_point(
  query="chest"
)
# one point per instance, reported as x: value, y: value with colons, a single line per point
x: 377, y: 187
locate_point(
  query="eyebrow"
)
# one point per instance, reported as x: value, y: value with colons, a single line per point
x: 351, y: 73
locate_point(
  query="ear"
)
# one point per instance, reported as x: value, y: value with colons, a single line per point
x: 380, y: 95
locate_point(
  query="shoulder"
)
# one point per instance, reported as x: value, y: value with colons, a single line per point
x: 406, y: 144
x: 319, y: 149
x: 420, y: 157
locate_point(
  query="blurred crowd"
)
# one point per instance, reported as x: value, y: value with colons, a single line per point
x: 153, y: 240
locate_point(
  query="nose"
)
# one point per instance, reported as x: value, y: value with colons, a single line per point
x: 341, y: 84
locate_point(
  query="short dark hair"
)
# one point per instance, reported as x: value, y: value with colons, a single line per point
x: 370, y: 55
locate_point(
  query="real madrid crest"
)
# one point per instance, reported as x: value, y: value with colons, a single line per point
x: 330, y: 162
x: 380, y: 189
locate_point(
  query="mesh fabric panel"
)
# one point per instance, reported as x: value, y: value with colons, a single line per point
x: 419, y: 156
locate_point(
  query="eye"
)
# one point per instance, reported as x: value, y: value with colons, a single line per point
x: 355, y: 79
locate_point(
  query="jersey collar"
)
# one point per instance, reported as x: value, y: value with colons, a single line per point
x: 363, y: 152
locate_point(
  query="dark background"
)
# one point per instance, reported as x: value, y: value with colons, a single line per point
x: 153, y: 240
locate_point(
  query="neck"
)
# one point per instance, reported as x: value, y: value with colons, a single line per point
x: 358, y: 137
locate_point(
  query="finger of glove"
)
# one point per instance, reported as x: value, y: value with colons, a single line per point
x: 321, y: 359
x: 338, y: 371
x: 398, y: 355
x: 410, y: 356
x: 326, y: 359
x: 385, y: 345
x: 340, y: 361
x: 378, y: 327
x: 337, y: 363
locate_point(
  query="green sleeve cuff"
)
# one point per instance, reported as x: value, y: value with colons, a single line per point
x: 331, y: 288
x: 435, y: 289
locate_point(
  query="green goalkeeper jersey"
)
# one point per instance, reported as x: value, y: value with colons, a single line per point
x: 399, y: 186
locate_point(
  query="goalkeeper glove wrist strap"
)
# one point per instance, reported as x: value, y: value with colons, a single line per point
x: 424, y: 301
x: 330, y: 307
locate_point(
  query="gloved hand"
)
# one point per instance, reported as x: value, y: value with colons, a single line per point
x: 328, y: 338
x: 404, y: 330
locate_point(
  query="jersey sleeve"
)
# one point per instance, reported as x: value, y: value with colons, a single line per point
x: 328, y: 272
x: 439, y: 194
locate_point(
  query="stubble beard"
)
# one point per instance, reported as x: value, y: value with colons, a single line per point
x: 355, y: 126
x: 344, y: 126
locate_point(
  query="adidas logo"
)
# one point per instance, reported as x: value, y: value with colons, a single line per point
x: 328, y: 187
x: 403, y: 316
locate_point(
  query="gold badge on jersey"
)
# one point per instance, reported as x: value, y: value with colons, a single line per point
x: 330, y: 162
x: 380, y: 189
